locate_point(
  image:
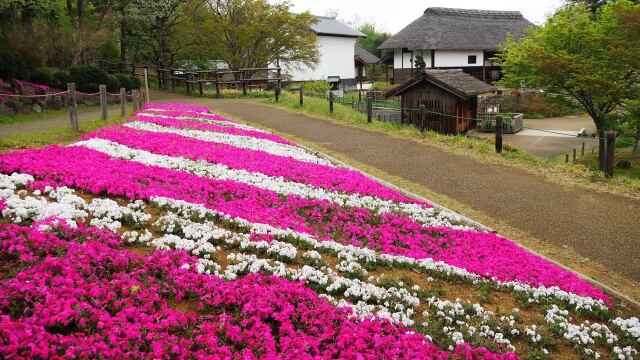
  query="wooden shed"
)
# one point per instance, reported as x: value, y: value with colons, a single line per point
x: 444, y: 101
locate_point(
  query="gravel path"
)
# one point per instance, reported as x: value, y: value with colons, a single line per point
x: 601, y: 227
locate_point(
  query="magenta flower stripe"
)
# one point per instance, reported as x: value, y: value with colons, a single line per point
x: 481, y: 253
x: 328, y: 177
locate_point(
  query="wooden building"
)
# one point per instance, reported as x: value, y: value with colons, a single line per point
x: 444, y: 101
x: 454, y: 39
x: 362, y: 60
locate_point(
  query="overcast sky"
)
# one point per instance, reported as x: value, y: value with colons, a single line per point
x: 393, y: 15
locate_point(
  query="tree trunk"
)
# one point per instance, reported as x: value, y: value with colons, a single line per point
x: 123, y: 46
x: 602, y: 153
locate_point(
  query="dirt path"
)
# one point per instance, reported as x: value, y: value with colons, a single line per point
x: 601, y: 227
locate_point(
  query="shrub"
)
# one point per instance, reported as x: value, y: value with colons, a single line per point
x: 22, y: 70
x: 88, y: 77
x: 61, y: 79
x: 128, y: 81
x: 42, y: 76
x: 317, y: 88
x: 382, y: 86
x: 7, y: 65
x: 113, y: 84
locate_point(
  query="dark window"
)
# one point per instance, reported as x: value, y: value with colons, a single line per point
x: 473, y: 59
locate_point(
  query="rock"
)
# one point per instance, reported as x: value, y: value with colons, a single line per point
x: 36, y: 108
x: 624, y: 164
x: 5, y: 110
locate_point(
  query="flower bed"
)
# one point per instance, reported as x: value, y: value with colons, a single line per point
x: 288, y: 254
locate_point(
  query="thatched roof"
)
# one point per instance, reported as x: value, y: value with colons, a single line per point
x: 445, y: 28
x: 364, y: 56
x: 454, y: 81
x: 329, y: 26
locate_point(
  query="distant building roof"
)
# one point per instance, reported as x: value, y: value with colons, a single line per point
x: 365, y: 57
x: 454, y: 81
x: 331, y: 27
x: 446, y: 28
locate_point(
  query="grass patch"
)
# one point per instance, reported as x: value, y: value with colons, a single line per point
x: 591, y: 161
x: 62, y: 135
x: 481, y: 150
x: 20, y: 118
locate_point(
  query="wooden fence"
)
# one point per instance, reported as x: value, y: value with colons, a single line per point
x: 199, y: 80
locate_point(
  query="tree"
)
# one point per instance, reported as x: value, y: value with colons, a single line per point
x: 591, y: 59
x: 255, y: 33
x: 594, y: 5
x: 420, y: 65
x: 375, y: 37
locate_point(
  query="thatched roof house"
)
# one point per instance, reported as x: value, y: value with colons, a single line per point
x: 455, y: 38
x: 445, y: 101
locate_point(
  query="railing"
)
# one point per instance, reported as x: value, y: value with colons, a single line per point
x: 243, y: 79
x: 511, y: 123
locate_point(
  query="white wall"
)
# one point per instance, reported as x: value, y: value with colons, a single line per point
x: 336, y: 59
x: 403, y: 61
x: 457, y: 58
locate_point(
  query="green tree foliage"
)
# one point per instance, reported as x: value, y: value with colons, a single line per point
x: 420, y: 64
x: 594, y: 5
x: 256, y: 33
x: 375, y: 37
x: 592, y: 59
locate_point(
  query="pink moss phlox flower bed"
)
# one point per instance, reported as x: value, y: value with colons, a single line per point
x: 181, y: 107
x: 328, y: 177
x: 196, y: 125
x: 482, y: 253
x: 76, y: 293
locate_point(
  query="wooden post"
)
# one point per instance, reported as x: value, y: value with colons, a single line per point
x: 146, y: 85
x: 278, y: 84
x: 103, y: 101
x: 331, y: 102
x: 133, y: 70
x: 134, y: 98
x: 141, y: 98
x: 566, y: 158
x: 583, y: 148
x: 73, y: 106
x: 217, y: 85
x: 123, y: 102
x: 369, y: 107
x: 575, y: 155
x: 422, y: 113
x: 301, y: 95
x: 499, y: 134
x: 244, y: 83
x: 611, y: 153
x: 201, y: 87
x: 353, y: 103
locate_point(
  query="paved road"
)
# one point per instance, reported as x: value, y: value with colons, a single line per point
x: 548, y: 141
x: 601, y: 227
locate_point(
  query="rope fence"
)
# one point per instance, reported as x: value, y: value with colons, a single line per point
x: 71, y: 97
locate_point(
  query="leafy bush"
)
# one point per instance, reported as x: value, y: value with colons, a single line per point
x: 88, y: 78
x: 61, y: 79
x: 7, y: 65
x: 42, y: 76
x: 382, y: 86
x: 128, y: 81
x: 22, y: 70
x: 113, y: 84
x: 536, y: 106
x: 317, y: 88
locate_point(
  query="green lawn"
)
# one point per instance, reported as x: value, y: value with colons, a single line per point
x: 13, y: 119
x: 626, y: 153
x: 62, y: 135
x: 555, y: 170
